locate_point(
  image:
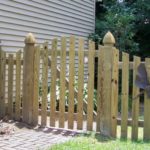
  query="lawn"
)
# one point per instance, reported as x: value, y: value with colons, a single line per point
x: 94, y: 141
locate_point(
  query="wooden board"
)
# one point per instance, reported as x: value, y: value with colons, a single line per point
x: 36, y: 85
x: 105, y: 89
x: 53, y: 83
x: 44, y: 85
x: 147, y: 105
x: 80, y: 84
x: 114, y: 92
x: 90, y: 86
x: 2, y: 83
x: 71, y: 82
x: 10, y: 86
x: 28, y: 84
x: 135, y: 102
x: 62, y: 82
x: 18, y: 86
x: 125, y: 94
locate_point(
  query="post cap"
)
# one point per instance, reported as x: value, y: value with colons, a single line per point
x: 30, y: 39
x: 109, y: 39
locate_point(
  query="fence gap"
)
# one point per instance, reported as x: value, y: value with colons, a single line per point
x: 99, y: 86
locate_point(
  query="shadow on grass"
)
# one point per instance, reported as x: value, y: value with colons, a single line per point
x: 97, y: 136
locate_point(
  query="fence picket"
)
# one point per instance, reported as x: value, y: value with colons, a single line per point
x: 53, y: 83
x: 62, y: 83
x: 18, y: 86
x: 125, y: 95
x: 36, y: 85
x: 114, y: 92
x: 2, y: 83
x: 147, y: 105
x: 10, y: 85
x: 71, y: 82
x: 90, y: 86
x: 80, y: 83
x: 44, y: 85
x: 135, y: 102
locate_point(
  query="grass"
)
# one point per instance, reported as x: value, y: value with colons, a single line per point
x: 100, y: 143
x: 94, y: 141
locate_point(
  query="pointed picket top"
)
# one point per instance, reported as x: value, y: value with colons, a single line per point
x: 30, y: 39
x: 109, y: 39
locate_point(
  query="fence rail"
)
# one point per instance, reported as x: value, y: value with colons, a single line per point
x: 34, y: 87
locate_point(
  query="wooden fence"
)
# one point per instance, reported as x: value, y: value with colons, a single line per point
x: 35, y: 89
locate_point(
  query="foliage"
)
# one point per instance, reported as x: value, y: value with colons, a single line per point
x: 96, y: 38
x: 85, y: 94
x: 128, y: 20
x: 142, y: 24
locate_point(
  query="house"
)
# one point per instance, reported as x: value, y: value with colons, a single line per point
x: 46, y: 19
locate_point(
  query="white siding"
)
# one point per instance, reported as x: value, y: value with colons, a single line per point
x: 46, y: 19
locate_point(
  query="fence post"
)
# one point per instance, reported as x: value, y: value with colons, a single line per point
x: 28, y: 79
x: 108, y: 86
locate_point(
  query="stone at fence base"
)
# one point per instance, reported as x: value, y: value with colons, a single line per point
x: 6, y: 129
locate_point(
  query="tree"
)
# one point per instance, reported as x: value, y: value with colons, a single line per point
x: 142, y: 25
x: 127, y: 20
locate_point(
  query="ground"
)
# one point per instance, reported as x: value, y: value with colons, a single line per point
x: 19, y: 136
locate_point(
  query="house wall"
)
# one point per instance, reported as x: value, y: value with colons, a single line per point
x: 46, y: 19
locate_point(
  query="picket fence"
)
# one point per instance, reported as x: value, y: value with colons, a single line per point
x: 35, y: 89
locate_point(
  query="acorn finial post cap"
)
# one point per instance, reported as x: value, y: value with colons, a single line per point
x: 30, y: 39
x: 109, y: 39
